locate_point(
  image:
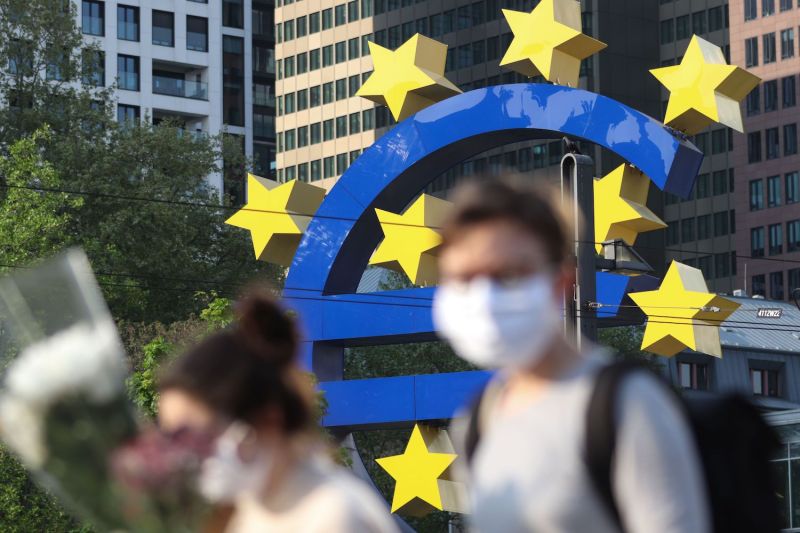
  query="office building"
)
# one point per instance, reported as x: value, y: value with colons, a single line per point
x: 323, y: 57
x: 701, y: 229
x: 764, y: 39
x: 190, y: 61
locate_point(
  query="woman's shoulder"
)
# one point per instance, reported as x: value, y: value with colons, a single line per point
x: 352, y: 505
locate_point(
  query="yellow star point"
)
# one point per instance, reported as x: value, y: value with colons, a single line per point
x: 410, y: 78
x: 704, y: 89
x: 683, y: 314
x: 277, y: 215
x: 417, y: 472
x: 549, y: 41
x: 620, y: 210
x: 411, y: 239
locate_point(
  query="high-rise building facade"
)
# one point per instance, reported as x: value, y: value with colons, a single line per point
x: 323, y: 58
x: 701, y: 229
x: 209, y: 64
x: 764, y: 40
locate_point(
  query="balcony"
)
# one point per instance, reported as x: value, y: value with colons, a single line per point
x: 182, y: 88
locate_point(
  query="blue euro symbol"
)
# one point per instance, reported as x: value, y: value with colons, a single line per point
x: 324, y: 276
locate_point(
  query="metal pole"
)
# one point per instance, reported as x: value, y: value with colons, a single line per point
x: 577, y: 187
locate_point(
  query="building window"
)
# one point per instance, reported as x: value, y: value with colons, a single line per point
x: 750, y: 9
x: 327, y: 92
x: 341, y: 126
x: 766, y: 382
x: 757, y: 242
x: 288, y: 30
x: 368, y: 119
x: 787, y: 43
x: 770, y: 95
x: 768, y: 42
x: 316, y: 133
x: 355, y: 123
x: 233, y: 13
x: 367, y: 8
x: 702, y: 187
x: 794, y: 279
x: 289, y: 139
x: 197, y: 35
x: 128, y: 72
x: 314, y: 96
x: 288, y: 67
x: 693, y: 376
x: 667, y: 31
x: 302, y: 63
x: 786, y: 5
x: 773, y: 143
x: 288, y: 103
x: 754, y: 101
x: 93, y: 65
x: 673, y: 233
x: 699, y: 22
x: 302, y: 136
x: 313, y: 22
x: 751, y: 52
x: 682, y: 30
x: 302, y: 172
x: 340, y: 15
x: 93, y: 17
x: 722, y: 265
x: 721, y: 223
x: 263, y: 24
x: 353, y: 83
x: 715, y: 19
x: 127, y: 114
x: 341, y: 89
x: 754, y: 147
x: 264, y: 60
x: 687, y: 230
x: 793, y: 236
x: 720, y: 182
x: 353, y: 48
x: 341, y: 51
x: 163, y: 28
x: 127, y: 23
x: 341, y: 163
x: 703, y: 227
x: 301, y: 26
x: 773, y: 191
x: 327, y: 55
x: 328, y: 168
x: 789, y: 91
x: 263, y: 125
x: 327, y: 130
x: 776, y: 285
x: 327, y: 18
x: 264, y: 94
x: 302, y: 99
x: 316, y: 170
x: 719, y: 141
x: 756, y: 195
x: 233, y: 80
x: 775, y: 239
x: 792, y: 187
x: 759, y: 285
x: 789, y: 139
x: 767, y: 8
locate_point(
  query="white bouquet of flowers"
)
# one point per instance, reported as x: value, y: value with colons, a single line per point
x: 63, y: 404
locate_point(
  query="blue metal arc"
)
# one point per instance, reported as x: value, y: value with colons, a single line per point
x: 339, y: 241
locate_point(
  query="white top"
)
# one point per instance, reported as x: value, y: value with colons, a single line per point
x: 318, y: 498
x: 528, y: 471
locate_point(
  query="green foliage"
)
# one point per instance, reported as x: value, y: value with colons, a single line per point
x: 626, y: 341
x: 143, y: 383
x: 24, y: 507
x: 32, y: 224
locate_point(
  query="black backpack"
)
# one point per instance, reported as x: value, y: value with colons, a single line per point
x: 734, y: 442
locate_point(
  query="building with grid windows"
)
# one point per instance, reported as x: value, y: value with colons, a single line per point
x: 764, y: 39
x: 190, y: 61
x: 701, y: 230
x: 323, y: 58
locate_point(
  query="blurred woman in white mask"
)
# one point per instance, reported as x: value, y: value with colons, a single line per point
x: 506, y: 260
x: 269, y: 465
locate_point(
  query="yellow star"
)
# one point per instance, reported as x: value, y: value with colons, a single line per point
x: 704, y: 89
x: 417, y: 471
x: 409, y: 79
x: 549, y: 41
x: 277, y: 215
x: 619, y: 206
x: 410, y: 240
x: 683, y: 314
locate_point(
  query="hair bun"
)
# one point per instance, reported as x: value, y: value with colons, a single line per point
x: 263, y: 324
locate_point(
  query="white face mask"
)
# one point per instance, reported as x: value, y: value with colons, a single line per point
x: 497, y: 325
x: 225, y: 476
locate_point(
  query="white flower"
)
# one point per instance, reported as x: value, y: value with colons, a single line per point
x: 80, y: 360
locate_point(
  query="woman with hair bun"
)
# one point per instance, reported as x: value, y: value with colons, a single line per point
x: 269, y: 463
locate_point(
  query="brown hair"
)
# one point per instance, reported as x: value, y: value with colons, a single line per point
x: 535, y: 208
x: 242, y: 371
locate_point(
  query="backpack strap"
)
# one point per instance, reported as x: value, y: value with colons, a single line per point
x: 484, y: 400
x: 601, y: 433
